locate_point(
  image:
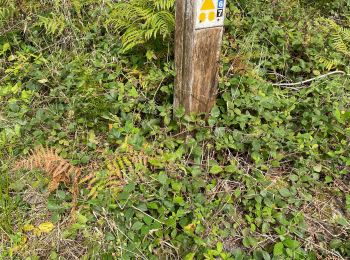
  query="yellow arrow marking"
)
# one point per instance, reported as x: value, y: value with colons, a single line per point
x: 208, y: 5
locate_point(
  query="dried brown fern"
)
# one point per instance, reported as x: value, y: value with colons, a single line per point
x: 58, y: 169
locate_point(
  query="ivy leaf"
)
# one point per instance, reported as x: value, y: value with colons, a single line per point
x: 133, y: 93
x: 296, y: 69
x: 284, y: 192
x: 294, y: 177
x: 180, y: 112
x: 278, y: 249
x: 179, y: 200
x: 137, y: 225
x: 231, y: 168
x: 290, y: 243
x: 215, y: 112
x: 215, y: 169
x: 162, y: 178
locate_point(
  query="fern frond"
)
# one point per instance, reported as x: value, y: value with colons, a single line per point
x: 139, y: 21
x: 345, y: 32
x: 339, y: 44
x: 119, y: 168
x: 160, y: 23
x: 164, y: 4
x: 48, y: 161
x: 58, y: 169
x: 53, y: 25
x: 131, y: 38
x: 329, y: 63
x: 339, y: 38
x: 7, y: 10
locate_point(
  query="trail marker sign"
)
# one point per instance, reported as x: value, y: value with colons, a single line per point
x: 198, y: 38
x: 209, y: 13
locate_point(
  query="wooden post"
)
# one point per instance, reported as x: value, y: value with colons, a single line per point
x: 198, y: 38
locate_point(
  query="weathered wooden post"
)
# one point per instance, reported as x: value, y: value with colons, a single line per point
x: 198, y: 38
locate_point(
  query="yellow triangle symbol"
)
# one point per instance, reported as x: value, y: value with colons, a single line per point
x: 208, y: 5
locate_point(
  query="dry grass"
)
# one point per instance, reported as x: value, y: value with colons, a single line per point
x: 321, y: 215
x: 44, y: 244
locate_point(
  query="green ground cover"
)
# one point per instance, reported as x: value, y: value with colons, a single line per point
x: 91, y: 83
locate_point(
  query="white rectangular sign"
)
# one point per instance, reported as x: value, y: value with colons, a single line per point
x: 209, y: 13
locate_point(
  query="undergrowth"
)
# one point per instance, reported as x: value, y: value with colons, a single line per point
x: 265, y: 177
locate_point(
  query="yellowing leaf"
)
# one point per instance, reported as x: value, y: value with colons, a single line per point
x: 24, y: 240
x: 43, y: 81
x: 28, y: 227
x: 190, y: 227
x: 46, y: 227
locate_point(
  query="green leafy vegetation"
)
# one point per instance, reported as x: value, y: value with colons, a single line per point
x: 265, y: 177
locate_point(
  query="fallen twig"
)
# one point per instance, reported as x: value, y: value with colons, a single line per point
x: 309, y: 80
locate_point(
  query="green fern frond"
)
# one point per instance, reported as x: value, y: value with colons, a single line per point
x: 164, y: 4
x: 139, y: 21
x: 340, y: 45
x: 7, y: 10
x: 339, y: 38
x: 345, y: 32
x: 53, y: 25
x: 132, y: 38
x: 160, y: 23
x: 329, y: 63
